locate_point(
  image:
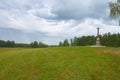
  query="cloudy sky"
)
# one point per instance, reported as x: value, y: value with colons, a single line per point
x: 51, y: 21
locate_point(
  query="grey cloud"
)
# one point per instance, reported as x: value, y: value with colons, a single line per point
x: 58, y: 9
x: 22, y: 37
x: 77, y: 9
x: 21, y: 5
x: 12, y: 34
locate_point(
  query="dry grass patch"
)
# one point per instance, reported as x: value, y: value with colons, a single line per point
x: 2, y: 50
x: 109, y: 51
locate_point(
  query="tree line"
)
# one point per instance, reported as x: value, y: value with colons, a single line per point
x: 34, y: 44
x: 107, y: 39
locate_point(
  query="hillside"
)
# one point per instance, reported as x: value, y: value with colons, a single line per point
x: 60, y: 63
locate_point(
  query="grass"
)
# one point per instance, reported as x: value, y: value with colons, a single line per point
x: 60, y: 63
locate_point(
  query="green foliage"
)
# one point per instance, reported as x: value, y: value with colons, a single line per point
x: 71, y: 42
x: 34, y: 44
x: 63, y: 63
x: 7, y: 43
x: 22, y: 45
x: 82, y: 41
x: 65, y: 43
x: 60, y: 43
x: 2, y: 43
x: 10, y: 43
x: 108, y: 39
x: 86, y: 40
x: 75, y: 41
x: 112, y: 40
x: 115, y: 10
x: 41, y: 45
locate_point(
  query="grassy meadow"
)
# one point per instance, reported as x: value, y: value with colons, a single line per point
x: 60, y: 63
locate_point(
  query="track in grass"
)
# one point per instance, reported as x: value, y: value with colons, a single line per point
x: 63, y: 63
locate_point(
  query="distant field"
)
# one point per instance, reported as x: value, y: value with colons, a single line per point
x: 62, y: 63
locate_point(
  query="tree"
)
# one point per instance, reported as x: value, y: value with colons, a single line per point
x: 34, y: 44
x: 2, y: 43
x: 115, y: 10
x: 75, y: 41
x: 65, y: 43
x: 60, y: 43
x: 23, y: 45
x: 10, y: 44
x: 71, y: 42
x: 41, y: 45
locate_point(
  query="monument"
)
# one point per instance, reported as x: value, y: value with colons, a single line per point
x: 98, y: 38
x: 98, y: 44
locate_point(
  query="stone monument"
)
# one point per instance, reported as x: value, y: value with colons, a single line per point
x: 98, y: 38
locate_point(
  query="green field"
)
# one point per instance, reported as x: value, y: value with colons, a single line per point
x: 60, y: 63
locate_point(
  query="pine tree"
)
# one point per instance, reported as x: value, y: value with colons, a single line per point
x: 60, y: 43
x: 65, y: 43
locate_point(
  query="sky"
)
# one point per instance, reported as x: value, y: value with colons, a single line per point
x: 52, y: 21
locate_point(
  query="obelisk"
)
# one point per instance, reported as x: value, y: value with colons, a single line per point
x: 98, y: 38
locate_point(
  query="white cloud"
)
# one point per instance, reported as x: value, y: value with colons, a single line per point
x: 30, y: 23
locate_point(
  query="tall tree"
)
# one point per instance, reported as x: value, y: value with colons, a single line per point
x: 41, y: 45
x: 75, y: 41
x: 2, y: 43
x: 65, y: 43
x: 60, y: 43
x: 34, y: 44
x: 10, y: 43
x: 115, y: 10
x: 71, y: 42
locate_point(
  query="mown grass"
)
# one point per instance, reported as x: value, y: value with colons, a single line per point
x: 62, y: 63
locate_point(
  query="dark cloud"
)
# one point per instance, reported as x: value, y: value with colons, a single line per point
x: 13, y: 34
x: 23, y: 37
x: 58, y: 9
x: 78, y: 9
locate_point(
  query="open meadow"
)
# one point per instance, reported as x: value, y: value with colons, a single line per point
x: 60, y: 63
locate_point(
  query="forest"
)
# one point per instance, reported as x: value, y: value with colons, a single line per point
x: 107, y: 39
